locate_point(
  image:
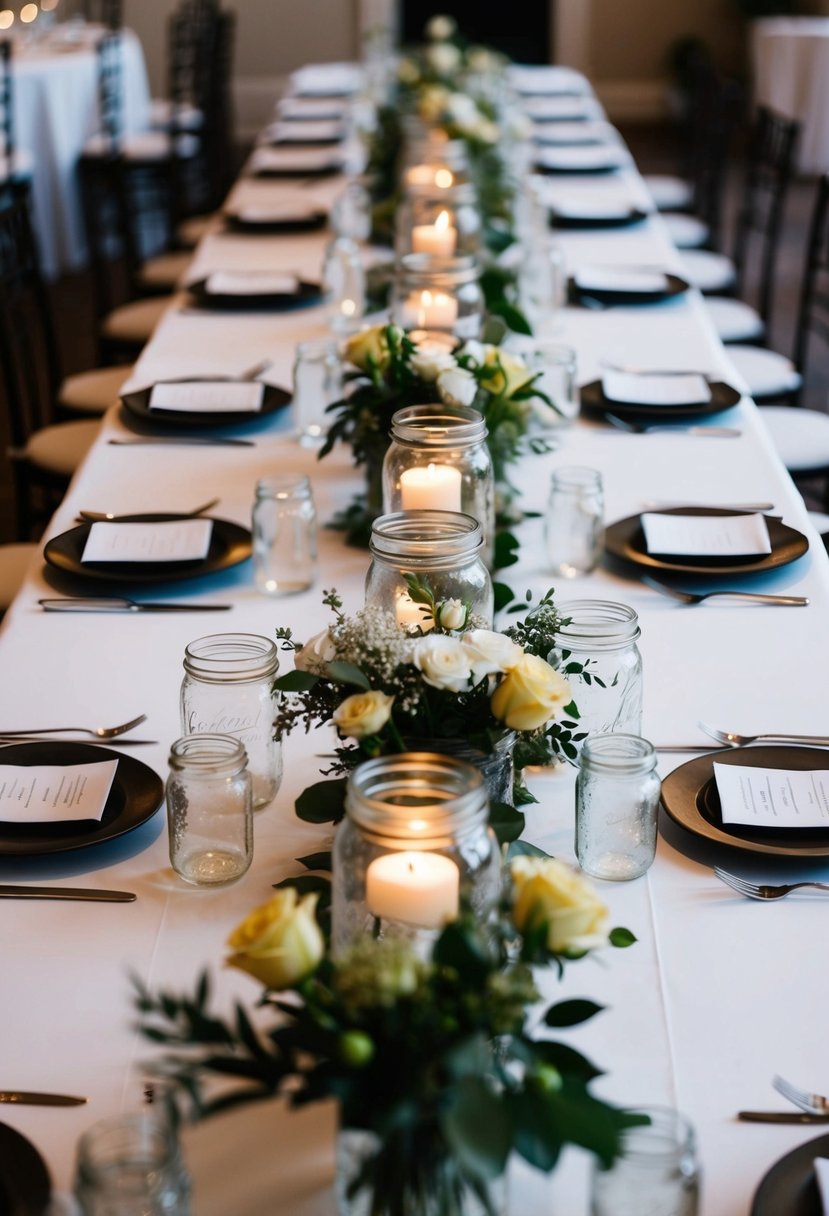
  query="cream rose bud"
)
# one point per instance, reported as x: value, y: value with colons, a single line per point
x: 440, y: 27
x: 368, y: 344
x: 443, y: 57
x: 408, y: 71
x: 457, y: 386
x: 362, y: 714
x: 452, y: 614
x: 547, y: 892
x: 490, y: 653
x: 317, y: 652
x: 429, y: 361
x: 530, y: 694
x: 280, y: 943
x: 443, y: 662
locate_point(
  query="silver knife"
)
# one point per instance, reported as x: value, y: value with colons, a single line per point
x: 93, y: 894
x: 22, y: 1096
x: 106, y: 603
x: 6, y: 740
x: 169, y: 441
x: 780, y: 1116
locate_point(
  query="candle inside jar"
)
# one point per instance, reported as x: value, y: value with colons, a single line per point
x: 440, y: 238
x: 421, y: 889
x: 429, y: 175
x: 430, y: 310
x: 409, y: 614
x: 433, y: 487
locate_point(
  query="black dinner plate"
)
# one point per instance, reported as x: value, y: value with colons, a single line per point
x: 723, y: 396
x: 790, y: 1187
x: 25, y: 1186
x: 674, y: 286
x: 253, y: 227
x: 229, y: 545
x: 329, y: 169
x: 625, y: 539
x: 633, y: 216
x: 600, y: 166
x: 325, y: 142
x: 305, y: 295
x: 138, y: 404
x: 136, y: 794
x: 690, y: 798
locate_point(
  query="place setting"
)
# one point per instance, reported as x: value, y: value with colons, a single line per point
x: 608, y: 286
x: 632, y: 393
x: 321, y: 132
x: 253, y: 291
x: 202, y: 402
x: 576, y: 158
x: 296, y: 162
x: 285, y: 216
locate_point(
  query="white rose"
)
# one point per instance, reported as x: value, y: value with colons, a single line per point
x: 429, y: 360
x: 443, y: 57
x: 474, y: 350
x: 452, y: 614
x: 490, y: 653
x: 462, y: 109
x: 440, y: 27
x: 316, y: 652
x: 362, y: 714
x: 443, y: 662
x: 457, y: 386
x: 487, y: 132
x: 481, y: 59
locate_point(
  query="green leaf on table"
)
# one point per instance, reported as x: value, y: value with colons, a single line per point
x: 505, y: 821
x: 478, y: 1128
x: 505, y: 551
x: 322, y: 802
x: 567, y: 1060
x: 523, y: 848
x: 571, y: 1013
x: 503, y: 594
x: 347, y: 673
x: 621, y: 937
x: 308, y: 884
x: 296, y: 681
x: 316, y: 861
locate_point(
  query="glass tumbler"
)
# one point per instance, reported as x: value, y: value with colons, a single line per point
x: 555, y: 367
x: 284, y: 536
x: 344, y: 285
x: 318, y: 381
x: 131, y: 1165
x: 209, y: 809
x: 617, y: 799
x: 573, y: 522
x: 657, y: 1173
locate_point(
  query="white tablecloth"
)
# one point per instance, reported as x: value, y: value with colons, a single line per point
x: 55, y: 83
x: 790, y: 60
x: 718, y: 994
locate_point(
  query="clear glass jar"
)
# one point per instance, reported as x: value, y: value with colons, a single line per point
x: 228, y: 689
x: 442, y: 222
x: 556, y: 367
x: 317, y: 382
x: 344, y: 285
x: 438, y: 293
x: 430, y: 157
x: 657, y: 1172
x: 414, y: 836
x: 603, y: 635
x: 209, y: 810
x: 438, y: 460
x: 617, y: 799
x: 284, y: 535
x: 442, y: 548
x: 131, y: 1165
x: 574, y: 521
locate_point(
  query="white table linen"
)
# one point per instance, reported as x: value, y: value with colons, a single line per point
x: 718, y: 994
x: 790, y: 63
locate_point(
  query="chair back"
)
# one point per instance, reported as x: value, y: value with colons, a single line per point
x: 6, y: 109
x: 191, y: 35
x: 110, y: 92
x: 105, y: 12
x: 28, y: 352
x: 219, y: 118
x: 771, y: 159
x: 721, y: 111
x: 813, y: 313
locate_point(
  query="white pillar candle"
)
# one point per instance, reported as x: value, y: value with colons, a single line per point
x: 435, y: 487
x: 416, y: 888
x: 430, y: 310
x: 429, y: 175
x: 408, y: 614
x: 440, y: 238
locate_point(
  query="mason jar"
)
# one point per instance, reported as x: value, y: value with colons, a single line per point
x: 414, y: 839
x: 617, y: 800
x: 228, y: 689
x: 443, y: 549
x: 209, y: 809
x: 284, y: 529
x: 131, y: 1165
x: 438, y: 293
x: 443, y: 222
x: 602, y: 636
x: 438, y: 460
x: 657, y: 1171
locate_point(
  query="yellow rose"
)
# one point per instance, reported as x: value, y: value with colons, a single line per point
x: 280, y: 943
x: 507, y: 373
x: 547, y: 892
x: 530, y: 694
x: 368, y: 344
x: 363, y: 714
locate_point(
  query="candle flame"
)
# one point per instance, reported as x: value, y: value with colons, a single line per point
x: 442, y: 222
x: 444, y: 179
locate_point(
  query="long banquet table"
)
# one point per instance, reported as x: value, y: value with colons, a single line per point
x: 718, y: 994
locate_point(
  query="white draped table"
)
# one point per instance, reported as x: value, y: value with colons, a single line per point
x: 718, y: 994
x: 790, y: 64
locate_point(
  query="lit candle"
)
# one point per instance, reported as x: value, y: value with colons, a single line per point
x: 416, y: 888
x: 429, y: 175
x: 430, y: 310
x: 437, y: 487
x: 434, y: 339
x: 440, y: 238
x: 409, y: 614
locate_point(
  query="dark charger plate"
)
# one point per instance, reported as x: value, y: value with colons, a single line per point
x: 674, y: 286
x: 690, y: 797
x: 25, y: 1186
x: 136, y: 794
x: 723, y: 396
x: 138, y: 404
x: 634, y: 216
x: 790, y: 1187
x: 229, y: 545
x: 305, y: 295
x: 625, y: 539
x: 253, y: 227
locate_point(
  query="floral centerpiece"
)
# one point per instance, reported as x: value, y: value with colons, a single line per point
x: 443, y: 1067
x: 446, y: 685
x: 391, y: 370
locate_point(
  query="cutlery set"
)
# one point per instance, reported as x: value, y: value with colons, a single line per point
x: 813, y: 1108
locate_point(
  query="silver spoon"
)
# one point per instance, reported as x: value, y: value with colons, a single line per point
x: 94, y: 517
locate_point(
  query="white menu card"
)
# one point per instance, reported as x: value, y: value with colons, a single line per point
x: 211, y: 396
x: 653, y: 389
x: 773, y: 797
x: 54, y: 793
x: 251, y: 283
x: 618, y: 278
x: 294, y: 160
x: 175, y: 540
x: 706, y: 535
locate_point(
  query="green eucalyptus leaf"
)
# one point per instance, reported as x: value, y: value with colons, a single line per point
x: 505, y: 821
x: 571, y: 1013
x: 347, y: 673
x: 478, y: 1128
x: 537, y: 1139
x: 296, y: 681
x: 322, y: 802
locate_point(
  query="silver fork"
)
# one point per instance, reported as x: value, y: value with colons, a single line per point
x: 99, y: 732
x: 813, y: 1104
x: 93, y: 517
x: 753, y: 597
x: 763, y: 891
x: 732, y: 739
